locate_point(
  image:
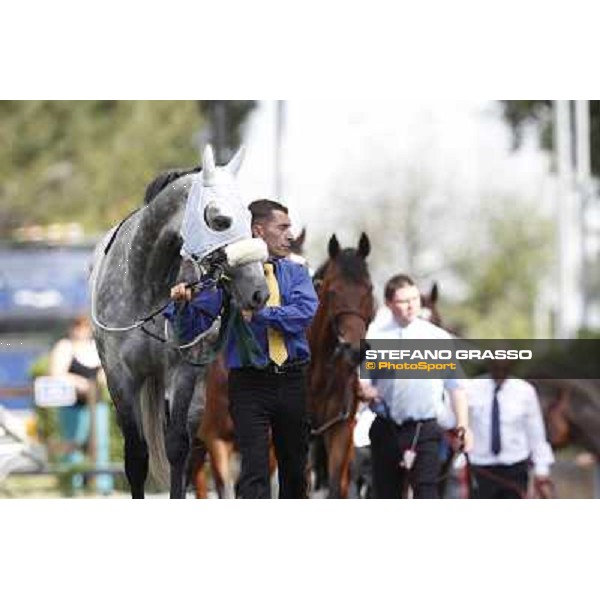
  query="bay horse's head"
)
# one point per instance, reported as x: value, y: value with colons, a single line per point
x: 217, y: 235
x: 555, y: 399
x: 346, y: 297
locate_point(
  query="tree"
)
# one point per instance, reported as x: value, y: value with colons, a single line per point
x: 502, y: 267
x: 90, y: 161
x: 522, y: 113
x: 224, y: 128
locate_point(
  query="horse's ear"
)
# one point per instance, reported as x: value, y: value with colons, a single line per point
x: 334, y: 247
x: 364, y: 246
x: 434, y: 293
x: 233, y: 166
x: 299, y: 241
x: 208, y: 166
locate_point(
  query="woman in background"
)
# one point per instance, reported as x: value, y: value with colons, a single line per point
x: 76, y: 359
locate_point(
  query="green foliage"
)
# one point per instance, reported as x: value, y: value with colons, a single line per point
x: 521, y: 113
x: 226, y: 119
x: 507, y: 258
x: 88, y: 161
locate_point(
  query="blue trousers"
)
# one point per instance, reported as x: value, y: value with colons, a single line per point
x: 74, y: 424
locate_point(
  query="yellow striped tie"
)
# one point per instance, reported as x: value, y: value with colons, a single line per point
x: 277, y: 350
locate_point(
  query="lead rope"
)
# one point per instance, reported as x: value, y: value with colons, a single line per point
x: 473, y: 470
x: 139, y: 324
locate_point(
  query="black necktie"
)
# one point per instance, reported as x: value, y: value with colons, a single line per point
x: 496, y: 442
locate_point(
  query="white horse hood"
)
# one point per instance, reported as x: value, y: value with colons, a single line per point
x: 215, y: 214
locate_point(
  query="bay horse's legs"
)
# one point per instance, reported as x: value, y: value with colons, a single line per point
x: 185, y: 414
x: 273, y: 469
x: 338, y: 442
x: 318, y: 459
x: 198, y: 477
x: 220, y: 452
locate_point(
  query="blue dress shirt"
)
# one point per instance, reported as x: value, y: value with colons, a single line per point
x: 298, y: 306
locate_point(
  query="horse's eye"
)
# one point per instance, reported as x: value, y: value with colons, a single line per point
x: 221, y: 223
x: 215, y: 220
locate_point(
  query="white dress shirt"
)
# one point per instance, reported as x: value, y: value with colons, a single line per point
x: 522, y: 431
x: 410, y: 399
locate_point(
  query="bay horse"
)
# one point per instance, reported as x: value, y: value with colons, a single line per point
x: 216, y: 435
x: 346, y: 307
x: 571, y: 410
x: 157, y: 386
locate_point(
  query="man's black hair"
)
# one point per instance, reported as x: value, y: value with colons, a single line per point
x: 262, y: 209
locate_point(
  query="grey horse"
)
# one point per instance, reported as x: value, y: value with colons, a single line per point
x: 156, y: 386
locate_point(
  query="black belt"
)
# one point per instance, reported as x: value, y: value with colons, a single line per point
x: 413, y: 422
x: 273, y: 369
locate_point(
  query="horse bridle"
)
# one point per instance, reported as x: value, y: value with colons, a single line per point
x: 336, y: 330
x: 210, y: 273
x: 340, y: 347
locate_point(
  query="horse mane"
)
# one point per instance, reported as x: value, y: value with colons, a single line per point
x: 160, y: 182
x: 352, y: 266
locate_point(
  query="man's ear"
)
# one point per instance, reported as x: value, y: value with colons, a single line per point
x: 257, y: 230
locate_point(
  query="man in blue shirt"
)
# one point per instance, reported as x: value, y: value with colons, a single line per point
x: 267, y: 384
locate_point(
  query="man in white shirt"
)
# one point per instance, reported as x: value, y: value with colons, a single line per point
x: 509, y: 432
x: 408, y: 409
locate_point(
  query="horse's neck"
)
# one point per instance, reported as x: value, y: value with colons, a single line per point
x: 154, y: 254
x: 322, y: 335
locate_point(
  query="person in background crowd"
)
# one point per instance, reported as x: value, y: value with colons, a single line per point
x: 76, y: 359
x: 509, y: 432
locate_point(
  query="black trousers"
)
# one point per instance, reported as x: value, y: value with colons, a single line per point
x: 501, y: 481
x: 388, y: 443
x: 261, y: 403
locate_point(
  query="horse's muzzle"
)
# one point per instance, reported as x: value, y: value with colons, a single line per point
x: 259, y: 299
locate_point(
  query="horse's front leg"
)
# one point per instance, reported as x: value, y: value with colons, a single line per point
x: 125, y: 394
x: 220, y: 452
x: 185, y: 413
x: 198, y: 478
x: 338, y: 441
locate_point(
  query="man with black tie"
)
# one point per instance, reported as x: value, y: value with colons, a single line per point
x: 508, y: 430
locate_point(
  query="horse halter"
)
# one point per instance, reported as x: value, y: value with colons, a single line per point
x: 342, y: 346
x: 214, y: 266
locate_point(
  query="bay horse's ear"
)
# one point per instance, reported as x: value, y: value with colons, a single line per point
x: 334, y: 247
x: 233, y: 166
x: 434, y: 293
x: 299, y: 241
x: 364, y: 246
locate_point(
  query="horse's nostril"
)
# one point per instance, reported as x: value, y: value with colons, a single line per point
x: 258, y: 298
